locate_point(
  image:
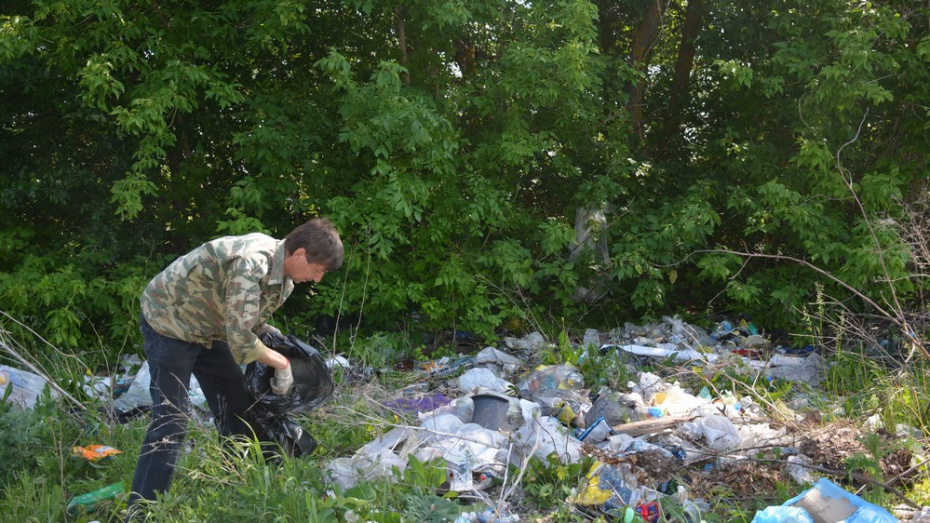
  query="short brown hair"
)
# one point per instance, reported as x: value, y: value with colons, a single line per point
x: 320, y: 239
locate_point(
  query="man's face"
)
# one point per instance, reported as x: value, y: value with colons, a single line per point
x: 297, y: 268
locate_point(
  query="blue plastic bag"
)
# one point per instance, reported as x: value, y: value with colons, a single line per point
x: 831, y: 504
x: 782, y: 514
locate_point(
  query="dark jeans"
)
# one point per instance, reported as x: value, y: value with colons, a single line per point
x: 171, y: 363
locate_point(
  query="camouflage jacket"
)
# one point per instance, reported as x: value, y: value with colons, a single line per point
x: 224, y: 290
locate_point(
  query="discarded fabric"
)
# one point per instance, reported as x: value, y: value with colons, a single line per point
x: 427, y: 403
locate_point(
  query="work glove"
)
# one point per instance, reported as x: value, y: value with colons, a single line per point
x: 269, y: 329
x: 283, y: 380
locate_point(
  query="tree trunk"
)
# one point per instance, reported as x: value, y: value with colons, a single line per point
x: 465, y: 56
x: 643, y: 40
x: 685, y: 63
x: 678, y: 91
x: 607, y: 21
x: 402, y: 41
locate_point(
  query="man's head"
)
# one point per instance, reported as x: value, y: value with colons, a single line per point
x: 311, y: 250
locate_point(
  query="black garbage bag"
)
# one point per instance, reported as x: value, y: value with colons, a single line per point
x: 270, y: 412
x: 312, y: 381
x: 280, y: 433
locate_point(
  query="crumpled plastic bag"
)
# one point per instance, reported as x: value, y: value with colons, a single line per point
x: 719, y: 432
x: 649, y: 385
x: 481, y: 378
x: 676, y: 402
x: 498, y: 361
x: 564, y: 376
x: 348, y: 472
x: 426, y: 403
x: 608, y: 487
x: 531, y: 342
x: 95, y: 452
x: 26, y: 386
x: 809, y: 370
x: 138, y: 395
x: 542, y: 436
x: 470, y: 449
x: 569, y: 406
x: 830, y: 503
x: 616, y: 408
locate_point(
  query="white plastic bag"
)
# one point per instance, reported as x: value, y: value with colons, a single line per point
x: 347, y: 472
x: 677, y: 402
x: 482, y: 378
x: 544, y: 436
x: 27, y: 386
x: 719, y: 432
x: 472, y: 448
x: 138, y: 394
x: 491, y: 358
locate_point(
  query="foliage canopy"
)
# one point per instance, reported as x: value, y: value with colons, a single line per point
x: 461, y: 147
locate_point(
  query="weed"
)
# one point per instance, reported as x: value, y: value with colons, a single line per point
x: 345, y: 423
x: 231, y: 481
x: 920, y: 492
x: 425, y: 476
x: 428, y: 508
x: 32, y: 497
x: 380, y: 350
x: 547, y: 483
x: 21, y: 433
x: 605, y: 370
x: 907, y: 395
x: 851, y: 371
x: 569, y: 353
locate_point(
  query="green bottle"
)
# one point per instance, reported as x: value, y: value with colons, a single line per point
x: 92, y: 500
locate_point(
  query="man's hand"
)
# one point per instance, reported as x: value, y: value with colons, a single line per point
x: 283, y: 380
x: 270, y: 329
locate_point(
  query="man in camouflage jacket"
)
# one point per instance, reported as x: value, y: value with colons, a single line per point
x: 203, y: 315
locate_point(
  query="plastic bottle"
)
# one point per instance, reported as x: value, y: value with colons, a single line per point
x: 722, y: 328
x: 92, y: 500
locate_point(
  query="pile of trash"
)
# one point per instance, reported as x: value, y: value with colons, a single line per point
x: 494, y: 415
x: 493, y: 418
x: 736, y: 345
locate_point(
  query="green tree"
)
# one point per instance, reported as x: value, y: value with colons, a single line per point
x: 457, y: 145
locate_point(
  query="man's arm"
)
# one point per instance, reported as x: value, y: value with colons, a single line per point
x: 273, y: 359
x: 283, y: 377
x: 243, y: 300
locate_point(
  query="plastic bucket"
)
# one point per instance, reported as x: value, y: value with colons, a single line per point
x: 490, y: 410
